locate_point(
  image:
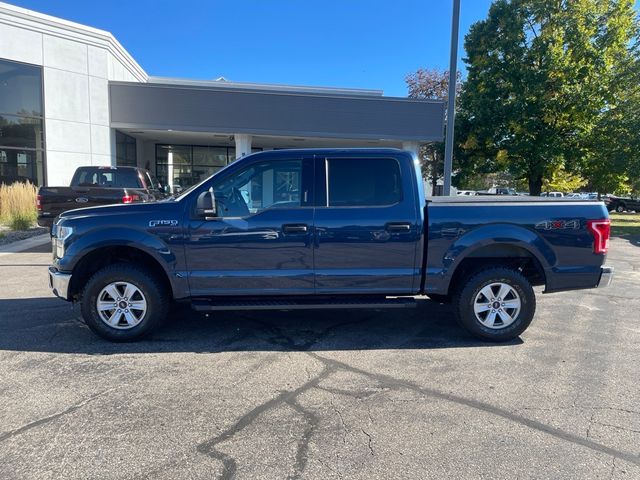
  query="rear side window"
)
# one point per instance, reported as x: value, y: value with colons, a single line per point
x: 91, y: 177
x: 126, y: 178
x: 360, y: 182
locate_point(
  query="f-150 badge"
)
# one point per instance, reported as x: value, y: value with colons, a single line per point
x: 558, y: 225
x: 163, y: 223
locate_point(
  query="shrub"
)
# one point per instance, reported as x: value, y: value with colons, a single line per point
x: 18, y: 205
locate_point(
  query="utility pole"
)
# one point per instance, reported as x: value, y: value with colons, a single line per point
x: 451, y: 107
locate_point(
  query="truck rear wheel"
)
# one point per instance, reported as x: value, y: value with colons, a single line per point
x: 496, y: 304
x: 123, y: 303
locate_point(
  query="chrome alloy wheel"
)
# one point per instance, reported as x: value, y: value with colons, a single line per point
x: 121, y: 305
x: 497, y: 305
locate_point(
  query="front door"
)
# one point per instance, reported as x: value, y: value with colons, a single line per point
x: 260, y: 242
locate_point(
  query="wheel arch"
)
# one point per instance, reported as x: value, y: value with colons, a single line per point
x: 105, y: 255
x: 515, y: 247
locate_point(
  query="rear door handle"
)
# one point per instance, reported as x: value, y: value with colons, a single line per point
x: 295, y: 228
x: 398, y: 227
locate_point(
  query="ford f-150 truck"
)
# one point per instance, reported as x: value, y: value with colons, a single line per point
x: 321, y: 229
x: 100, y: 185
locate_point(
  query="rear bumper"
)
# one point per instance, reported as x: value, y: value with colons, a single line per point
x: 59, y: 283
x: 46, y: 221
x: 606, y: 276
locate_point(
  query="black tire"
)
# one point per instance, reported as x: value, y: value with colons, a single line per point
x: 155, y: 295
x: 621, y: 208
x: 466, y: 296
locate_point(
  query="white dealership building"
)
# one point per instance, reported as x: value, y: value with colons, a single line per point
x: 71, y: 95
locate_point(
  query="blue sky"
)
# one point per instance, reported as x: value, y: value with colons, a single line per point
x: 341, y: 43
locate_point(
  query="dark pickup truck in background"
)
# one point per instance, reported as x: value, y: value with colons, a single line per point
x: 622, y: 204
x: 93, y: 186
x: 324, y: 229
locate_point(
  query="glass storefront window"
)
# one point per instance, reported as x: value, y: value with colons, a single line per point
x: 181, y: 166
x: 21, y: 165
x: 125, y: 150
x: 22, y: 142
x: 22, y: 132
x: 20, y: 89
x: 214, y: 156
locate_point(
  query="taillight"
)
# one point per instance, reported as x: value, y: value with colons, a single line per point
x: 39, y: 202
x: 601, y: 230
x: 126, y: 198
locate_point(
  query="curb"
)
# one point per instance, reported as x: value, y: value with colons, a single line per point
x: 26, y: 244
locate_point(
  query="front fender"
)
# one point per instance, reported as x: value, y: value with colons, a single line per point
x: 94, y: 239
x: 486, y: 235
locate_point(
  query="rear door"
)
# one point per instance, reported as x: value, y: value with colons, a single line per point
x: 367, y: 228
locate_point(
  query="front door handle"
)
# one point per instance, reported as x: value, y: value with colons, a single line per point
x: 295, y: 228
x: 398, y: 227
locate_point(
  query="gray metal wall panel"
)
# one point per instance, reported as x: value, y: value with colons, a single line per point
x: 161, y: 107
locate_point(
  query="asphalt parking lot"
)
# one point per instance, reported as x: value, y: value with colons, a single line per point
x: 321, y: 395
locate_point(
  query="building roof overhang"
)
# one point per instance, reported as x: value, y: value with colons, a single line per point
x: 242, y: 109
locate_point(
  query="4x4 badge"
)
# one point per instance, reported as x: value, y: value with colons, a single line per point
x: 558, y: 225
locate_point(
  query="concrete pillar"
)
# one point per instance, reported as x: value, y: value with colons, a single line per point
x: 243, y: 144
x: 170, y: 171
x: 413, y: 147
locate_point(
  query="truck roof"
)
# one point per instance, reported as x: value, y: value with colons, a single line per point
x: 330, y: 151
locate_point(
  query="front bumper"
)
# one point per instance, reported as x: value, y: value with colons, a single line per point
x: 59, y: 283
x: 606, y: 276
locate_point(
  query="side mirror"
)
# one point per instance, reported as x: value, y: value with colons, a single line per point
x: 206, y: 204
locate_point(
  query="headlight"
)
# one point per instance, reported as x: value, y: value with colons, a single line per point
x: 61, y: 233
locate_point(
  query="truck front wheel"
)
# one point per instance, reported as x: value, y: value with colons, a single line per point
x: 495, y: 304
x: 123, y: 303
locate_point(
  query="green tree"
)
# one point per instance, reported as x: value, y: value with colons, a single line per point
x: 614, y: 166
x: 542, y: 74
x: 563, y: 181
x: 431, y: 84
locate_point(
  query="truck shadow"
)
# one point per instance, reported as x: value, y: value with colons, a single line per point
x: 50, y: 325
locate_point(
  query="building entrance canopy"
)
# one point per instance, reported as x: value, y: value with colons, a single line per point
x: 267, y: 112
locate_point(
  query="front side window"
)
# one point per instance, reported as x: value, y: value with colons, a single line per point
x: 359, y: 182
x: 261, y: 186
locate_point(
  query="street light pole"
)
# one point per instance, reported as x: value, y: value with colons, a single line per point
x: 451, y: 107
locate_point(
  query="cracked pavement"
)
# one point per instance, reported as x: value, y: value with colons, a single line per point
x: 321, y: 395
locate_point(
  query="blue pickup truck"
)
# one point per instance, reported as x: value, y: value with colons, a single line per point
x: 323, y: 229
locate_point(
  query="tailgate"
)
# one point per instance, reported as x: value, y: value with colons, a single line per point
x: 55, y: 200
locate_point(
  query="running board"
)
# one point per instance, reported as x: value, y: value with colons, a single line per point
x: 204, y: 305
